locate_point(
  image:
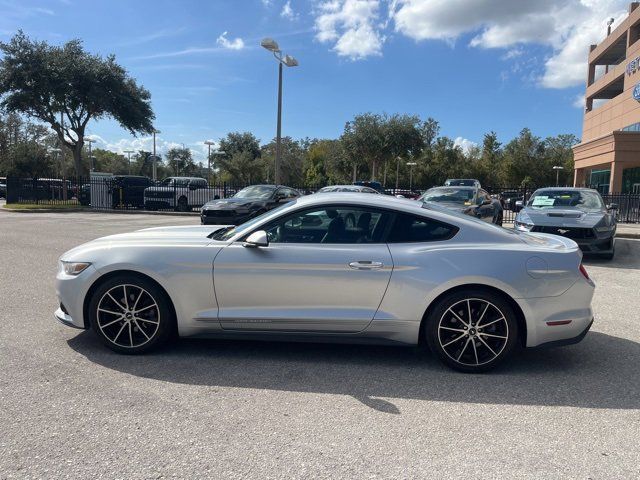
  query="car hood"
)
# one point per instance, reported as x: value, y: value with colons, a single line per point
x: 557, y: 217
x: 232, y: 202
x: 452, y: 206
x: 192, y: 235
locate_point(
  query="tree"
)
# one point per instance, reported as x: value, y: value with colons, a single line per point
x: 363, y: 140
x: 66, y: 87
x: 292, y: 156
x: 240, y: 162
x: 110, y: 162
x: 181, y: 162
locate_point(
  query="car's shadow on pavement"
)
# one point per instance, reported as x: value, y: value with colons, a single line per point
x: 601, y: 372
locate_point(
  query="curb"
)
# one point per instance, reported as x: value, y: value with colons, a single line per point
x: 90, y: 210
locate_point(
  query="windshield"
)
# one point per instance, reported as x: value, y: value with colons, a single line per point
x: 579, y: 199
x: 227, y: 233
x: 460, y: 182
x: 256, y: 191
x: 463, y: 196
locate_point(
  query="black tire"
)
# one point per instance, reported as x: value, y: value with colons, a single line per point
x: 131, y: 324
x: 183, y: 205
x: 468, y: 348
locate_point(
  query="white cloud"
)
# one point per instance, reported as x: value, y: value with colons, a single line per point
x: 352, y: 27
x: 266, y: 3
x: 464, y: 143
x: 287, y: 12
x: 235, y: 44
x: 568, y: 27
x: 198, y: 149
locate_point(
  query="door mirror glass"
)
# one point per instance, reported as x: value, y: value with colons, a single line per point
x: 612, y: 206
x: 257, y: 239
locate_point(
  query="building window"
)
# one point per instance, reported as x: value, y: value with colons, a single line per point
x: 599, y: 179
x: 631, y: 180
x: 631, y: 128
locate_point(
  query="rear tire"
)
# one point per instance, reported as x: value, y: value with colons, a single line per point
x: 472, y: 331
x: 131, y: 314
x: 183, y: 205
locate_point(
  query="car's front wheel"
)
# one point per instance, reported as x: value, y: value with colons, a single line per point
x: 131, y: 314
x: 472, y: 331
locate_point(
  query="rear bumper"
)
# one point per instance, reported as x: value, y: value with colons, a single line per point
x: 567, y: 341
x: 564, y: 318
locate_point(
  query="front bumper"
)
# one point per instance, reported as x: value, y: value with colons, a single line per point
x: 65, y: 318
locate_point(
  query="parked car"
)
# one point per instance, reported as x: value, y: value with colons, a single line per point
x: 468, y: 200
x: 247, y: 203
x: 508, y: 198
x: 180, y: 193
x: 127, y: 191
x: 347, y: 188
x: 576, y: 213
x: 377, y: 186
x: 472, y: 292
x: 462, y: 182
x: 3, y: 187
x: 84, y: 194
x: 404, y: 193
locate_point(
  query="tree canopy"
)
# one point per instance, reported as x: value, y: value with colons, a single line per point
x: 66, y: 87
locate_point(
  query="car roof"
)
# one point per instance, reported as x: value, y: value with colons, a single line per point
x: 568, y: 189
x: 460, y: 187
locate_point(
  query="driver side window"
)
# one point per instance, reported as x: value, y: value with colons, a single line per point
x: 333, y: 224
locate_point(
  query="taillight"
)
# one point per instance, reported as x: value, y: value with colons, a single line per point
x: 583, y: 271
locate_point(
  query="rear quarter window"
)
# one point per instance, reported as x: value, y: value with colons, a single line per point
x: 409, y: 228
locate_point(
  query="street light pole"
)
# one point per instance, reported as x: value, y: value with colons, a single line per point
x: 91, y: 164
x: 557, y: 168
x: 288, y: 61
x: 155, y: 159
x: 411, y: 165
x: 129, y: 152
x: 209, y: 143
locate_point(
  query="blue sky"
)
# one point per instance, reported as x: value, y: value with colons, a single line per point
x: 501, y: 66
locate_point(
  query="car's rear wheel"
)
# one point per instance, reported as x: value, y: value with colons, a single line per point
x: 183, y: 204
x: 131, y: 314
x: 472, y: 331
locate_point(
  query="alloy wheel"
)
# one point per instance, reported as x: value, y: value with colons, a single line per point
x: 128, y: 316
x: 473, y: 332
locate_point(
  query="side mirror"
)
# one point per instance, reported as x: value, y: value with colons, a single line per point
x: 279, y: 196
x: 612, y: 206
x: 257, y: 239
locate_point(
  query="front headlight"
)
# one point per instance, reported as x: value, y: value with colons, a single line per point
x: 523, y: 227
x: 74, y: 268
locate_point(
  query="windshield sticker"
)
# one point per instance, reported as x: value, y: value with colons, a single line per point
x: 543, y: 201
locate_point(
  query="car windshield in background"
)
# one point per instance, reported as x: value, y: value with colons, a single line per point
x: 463, y: 196
x: 256, y: 191
x: 460, y: 182
x: 580, y: 199
x: 226, y: 233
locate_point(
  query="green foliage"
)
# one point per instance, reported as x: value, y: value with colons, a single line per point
x: 66, y: 87
x: 240, y: 162
x: 180, y: 163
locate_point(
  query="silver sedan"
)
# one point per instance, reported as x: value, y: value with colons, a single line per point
x: 403, y: 274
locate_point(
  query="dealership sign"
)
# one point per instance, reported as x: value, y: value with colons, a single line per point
x: 633, y: 66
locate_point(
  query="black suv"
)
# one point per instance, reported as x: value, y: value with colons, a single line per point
x: 127, y: 191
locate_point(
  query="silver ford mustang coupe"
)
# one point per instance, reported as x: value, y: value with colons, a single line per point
x: 403, y: 274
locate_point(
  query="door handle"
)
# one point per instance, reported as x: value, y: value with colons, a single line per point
x: 366, y: 265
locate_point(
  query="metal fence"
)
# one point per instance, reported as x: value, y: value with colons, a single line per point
x: 104, y: 192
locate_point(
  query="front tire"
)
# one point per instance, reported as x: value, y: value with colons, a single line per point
x: 472, y: 331
x: 131, y: 314
x: 183, y: 205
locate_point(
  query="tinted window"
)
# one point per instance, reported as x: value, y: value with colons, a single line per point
x: 581, y: 199
x: 335, y: 224
x: 410, y: 228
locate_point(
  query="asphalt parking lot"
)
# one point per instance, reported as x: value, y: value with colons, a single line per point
x: 69, y: 408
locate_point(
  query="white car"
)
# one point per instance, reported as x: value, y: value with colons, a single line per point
x: 404, y: 274
x: 180, y: 193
